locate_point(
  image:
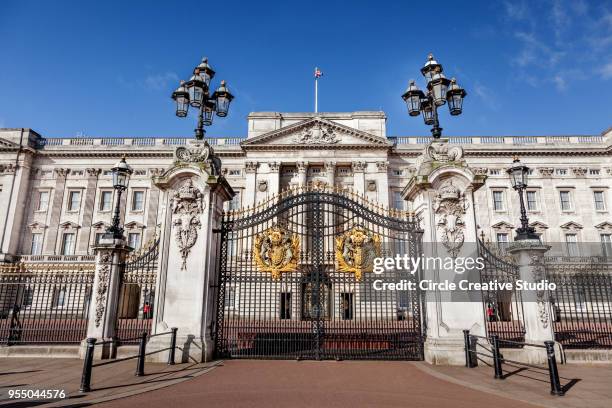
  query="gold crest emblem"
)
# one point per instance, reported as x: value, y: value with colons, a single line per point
x: 356, y: 250
x: 276, y: 251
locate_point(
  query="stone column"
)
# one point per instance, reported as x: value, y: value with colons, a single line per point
x: 250, y: 190
x: 88, y: 210
x: 110, y: 259
x: 442, y: 196
x: 382, y: 183
x: 359, y: 168
x: 56, y: 206
x: 529, y: 255
x: 302, y: 168
x: 192, y: 204
x: 152, y: 212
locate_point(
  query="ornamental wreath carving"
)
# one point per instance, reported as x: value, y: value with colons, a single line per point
x: 356, y: 250
x: 276, y: 251
x: 187, y: 206
x: 197, y: 153
x: 450, y: 207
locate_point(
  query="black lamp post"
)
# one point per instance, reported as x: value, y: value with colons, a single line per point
x: 196, y: 93
x: 440, y: 90
x: 121, y: 175
x: 518, y: 176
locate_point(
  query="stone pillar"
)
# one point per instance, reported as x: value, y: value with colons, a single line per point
x: 302, y: 168
x: 88, y: 210
x: 330, y: 173
x: 56, y: 206
x: 273, y: 178
x: 110, y: 259
x: 529, y: 256
x: 359, y: 168
x: 382, y: 183
x: 250, y: 191
x: 442, y: 197
x: 192, y: 205
x: 151, y: 223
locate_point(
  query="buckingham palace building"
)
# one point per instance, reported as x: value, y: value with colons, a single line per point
x: 298, y: 201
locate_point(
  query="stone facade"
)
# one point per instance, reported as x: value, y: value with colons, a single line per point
x: 56, y: 194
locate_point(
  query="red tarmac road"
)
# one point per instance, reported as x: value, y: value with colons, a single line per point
x: 288, y: 384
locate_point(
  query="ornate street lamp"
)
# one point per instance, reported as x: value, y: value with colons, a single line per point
x: 440, y: 90
x: 121, y: 176
x: 518, y: 177
x: 197, y: 93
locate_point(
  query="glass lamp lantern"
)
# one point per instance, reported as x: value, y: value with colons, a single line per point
x: 205, y: 71
x: 428, y: 111
x: 181, y: 97
x: 454, y: 97
x: 222, y: 98
x: 438, y: 87
x: 413, y: 97
x: 518, y: 174
x: 431, y: 68
x: 195, y: 87
x: 209, y: 110
x: 121, y: 174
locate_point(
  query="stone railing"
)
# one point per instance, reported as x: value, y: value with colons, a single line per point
x: 57, y: 258
x: 511, y: 140
x: 136, y: 141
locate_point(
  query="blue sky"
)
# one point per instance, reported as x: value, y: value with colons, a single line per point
x: 107, y: 68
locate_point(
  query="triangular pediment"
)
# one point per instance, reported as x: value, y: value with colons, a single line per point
x: 6, y: 144
x: 571, y: 226
x: 502, y: 225
x: 604, y: 226
x: 538, y: 224
x: 316, y: 133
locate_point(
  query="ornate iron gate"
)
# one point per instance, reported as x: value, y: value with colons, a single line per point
x: 296, y: 280
x: 503, y: 309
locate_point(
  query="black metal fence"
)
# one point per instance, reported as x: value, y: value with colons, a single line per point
x: 581, y: 305
x: 503, y: 309
x: 137, y: 294
x: 44, y: 303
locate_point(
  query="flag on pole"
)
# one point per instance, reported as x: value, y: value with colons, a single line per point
x: 318, y: 73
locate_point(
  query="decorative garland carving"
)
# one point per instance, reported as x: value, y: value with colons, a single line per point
x: 356, y: 250
x: 102, y: 289
x: 539, y: 274
x: 276, y: 251
x: 450, y: 206
x: 250, y: 166
x: 187, y: 206
x: 197, y: 153
x: 359, y: 166
x: 439, y: 151
x: 546, y: 171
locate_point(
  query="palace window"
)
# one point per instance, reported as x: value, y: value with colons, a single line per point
x: 532, y: 202
x: 98, y: 237
x: 343, y: 171
x: 234, y: 172
x: 561, y: 172
x: 494, y: 172
x: 571, y: 241
x: 138, y: 200
x: 285, y: 305
x: 498, y: 200
x: 235, y: 202
x: 600, y: 201
x: 606, y: 245
x: 106, y: 201
x: 398, y: 202
x: 74, y: 201
x: 594, y: 172
x: 37, y: 243
x: 565, y: 200
x: 502, y: 240
x: 68, y: 243
x: 43, y: 201
x: 134, y: 240
x: 346, y: 306
x: 398, y: 172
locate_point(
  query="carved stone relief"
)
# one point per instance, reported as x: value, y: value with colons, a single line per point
x: 102, y: 289
x: 450, y: 207
x: 187, y: 207
x: 317, y: 135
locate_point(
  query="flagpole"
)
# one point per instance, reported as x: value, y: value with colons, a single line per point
x: 316, y: 94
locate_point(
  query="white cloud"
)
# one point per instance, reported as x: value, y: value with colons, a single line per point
x: 487, y: 97
x: 606, y: 71
x: 559, y: 82
x: 157, y: 82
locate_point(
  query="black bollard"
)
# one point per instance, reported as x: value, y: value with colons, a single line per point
x: 497, y: 361
x: 87, y: 365
x: 172, y: 346
x: 466, y: 342
x: 555, y: 383
x: 142, y: 351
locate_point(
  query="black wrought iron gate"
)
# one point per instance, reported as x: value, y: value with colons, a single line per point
x: 296, y: 280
